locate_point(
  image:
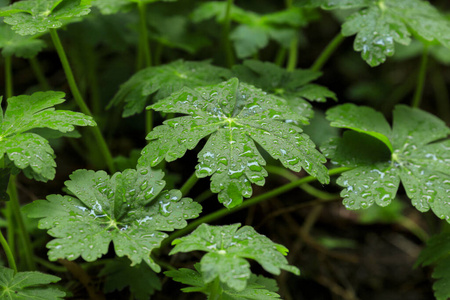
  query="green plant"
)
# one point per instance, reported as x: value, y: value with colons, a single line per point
x: 250, y: 124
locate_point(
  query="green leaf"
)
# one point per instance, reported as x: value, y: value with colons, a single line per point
x: 258, y: 287
x: 236, y: 115
x: 20, y: 46
x: 255, y: 30
x: 129, y: 208
x: 361, y: 119
x: 293, y: 86
x: 228, y: 250
x: 380, y: 24
x: 141, y: 280
x: 163, y: 81
x: 30, y: 150
x: 436, y: 253
x: 418, y: 159
x: 28, y: 285
x: 29, y: 17
x: 108, y: 7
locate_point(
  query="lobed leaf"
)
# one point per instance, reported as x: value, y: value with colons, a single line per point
x: 293, y: 86
x: 28, y: 285
x: 129, y: 208
x: 163, y: 81
x: 235, y: 115
x: 20, y: 46
x: 141, y: 280
x: 30, y: 151
x: 28, y: 17
x: 258, y: 287
x: 417, y: 159
x: 436, y: 252
x: 228, y: 248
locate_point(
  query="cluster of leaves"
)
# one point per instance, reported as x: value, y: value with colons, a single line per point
x: 380, y: 24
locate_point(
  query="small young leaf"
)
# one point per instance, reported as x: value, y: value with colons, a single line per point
x: 127, y: 208
x: 258, y: 287
x: 417, y: 160
x: 28, y: 285
x: 29, y: 17
x: 235, y: 115
x: 141, y: 280
x: 228, y: 248
x: 20, y: 46
x: 163, y: 81
x: 29, y: 150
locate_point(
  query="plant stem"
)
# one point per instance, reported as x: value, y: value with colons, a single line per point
x: 326, y: 53
x: 293, y: 55
x: 192, y: 180
x: 252, y: 201
x: 23, y: 233
x: 79, y: 100
x: 143, y: 35
x: 441, y: 94
x: 8, y: 77
x: 148, y: 121
x: 226, y: 35
x: 421, y: 78
x: 39, y: 74
x: 9, y: 255
x: 280, y: 57
x: 216, y: 290
x: 49, y: 265
x: 305, y: 187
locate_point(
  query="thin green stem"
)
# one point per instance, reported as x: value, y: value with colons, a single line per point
x: 327, y: 52
x: 305, y: 187
x: 226, y: 35
x: 421, y: 79
x: 148, y: 121
x: 23, y: 233
x: 216, y: 290
x: 280, y: 57
x: 9, y: 255
x: 252, y: 201
x: 293, y: 55
x: 103, y: 147
x: 8, y: 77
x: 143, y: 34
x: 187, y: 186
x: 49, y: 265
x: 37, y: 70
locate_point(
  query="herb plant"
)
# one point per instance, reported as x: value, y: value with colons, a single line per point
x: 171, y: 92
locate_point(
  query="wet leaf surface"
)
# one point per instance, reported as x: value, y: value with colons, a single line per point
x: 129, y: 208
x: 235, y: 115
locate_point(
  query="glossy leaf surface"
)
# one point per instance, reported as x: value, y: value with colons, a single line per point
x: 163, y: 81
x: 418, y: 159
x: 28, y: 285
x: 258, y: 287
x: 30, y: 150
x: 228, y: 250
x: 235, y: 115
x: 129, y: 208
x: 29, y: 17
